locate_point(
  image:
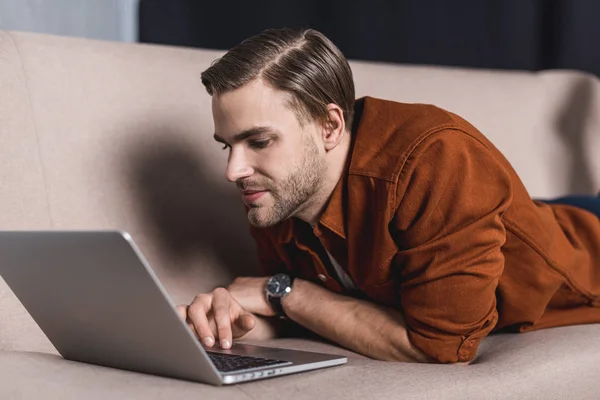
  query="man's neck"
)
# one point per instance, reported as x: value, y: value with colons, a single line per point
x: 337, y: 159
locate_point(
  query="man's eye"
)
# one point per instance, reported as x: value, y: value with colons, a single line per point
x: 225, y: 146
x: 260, y: 144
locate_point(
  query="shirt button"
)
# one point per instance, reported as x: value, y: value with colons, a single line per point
x: 322, y: 277
x: 465, y: 350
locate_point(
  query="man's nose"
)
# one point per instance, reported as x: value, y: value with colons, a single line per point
x: 237, y: 167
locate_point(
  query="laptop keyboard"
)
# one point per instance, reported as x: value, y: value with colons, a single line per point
x: 233, y: 362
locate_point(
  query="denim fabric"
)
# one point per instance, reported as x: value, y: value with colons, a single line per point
x: 589, y: 203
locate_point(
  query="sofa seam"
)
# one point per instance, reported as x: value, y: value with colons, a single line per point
x: 35, y: 127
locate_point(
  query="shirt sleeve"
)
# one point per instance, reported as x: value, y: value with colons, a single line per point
x: 449, y: 232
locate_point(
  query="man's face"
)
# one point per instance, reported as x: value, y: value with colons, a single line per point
x: 274, y: 161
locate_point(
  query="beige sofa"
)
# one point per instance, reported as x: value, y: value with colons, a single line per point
x: 107, y: 135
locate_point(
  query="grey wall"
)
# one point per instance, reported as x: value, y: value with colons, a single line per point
x: 97, y: 19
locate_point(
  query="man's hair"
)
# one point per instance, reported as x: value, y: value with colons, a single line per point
x: 303, y: 63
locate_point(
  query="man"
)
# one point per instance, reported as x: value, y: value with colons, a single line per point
x: 402, y: 233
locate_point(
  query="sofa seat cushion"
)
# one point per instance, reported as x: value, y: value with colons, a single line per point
x: 555, y: 363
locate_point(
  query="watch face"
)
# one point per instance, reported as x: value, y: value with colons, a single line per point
x: 278, y: 284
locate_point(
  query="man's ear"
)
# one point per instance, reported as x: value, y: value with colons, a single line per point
x: 334, y: 128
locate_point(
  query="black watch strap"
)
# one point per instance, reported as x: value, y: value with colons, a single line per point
x: 277, y: 307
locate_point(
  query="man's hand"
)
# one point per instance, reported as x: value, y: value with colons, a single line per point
x: 233, y: 313
x: 217, y: 315
x: 250, y: 294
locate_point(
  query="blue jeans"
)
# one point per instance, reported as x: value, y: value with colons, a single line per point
x: 589, y: 203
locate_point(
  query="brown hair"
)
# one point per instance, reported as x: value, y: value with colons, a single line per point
x: 303, y: 63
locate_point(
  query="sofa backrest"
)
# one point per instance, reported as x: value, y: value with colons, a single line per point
x: 102, y: 135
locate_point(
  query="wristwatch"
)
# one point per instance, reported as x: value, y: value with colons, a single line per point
x: 278, y: 286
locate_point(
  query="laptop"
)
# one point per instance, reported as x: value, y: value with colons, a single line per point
x: 96, y: 298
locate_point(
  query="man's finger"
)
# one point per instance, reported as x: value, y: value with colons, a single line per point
x: 197, y: 316
x: 244, y: 324
x: 182, y: 310
x: 221, y: 310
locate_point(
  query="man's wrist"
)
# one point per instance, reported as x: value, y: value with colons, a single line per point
x: 278, y: 287
x: 289, y: 301
x: 249, y: 292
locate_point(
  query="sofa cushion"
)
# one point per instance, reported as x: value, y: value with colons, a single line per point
x: 96, y: 135
x: 546, y: 123
x: 23, y: 200
x: 556, y: 363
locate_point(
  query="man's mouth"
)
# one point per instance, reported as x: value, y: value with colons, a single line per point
x: 250, y: 196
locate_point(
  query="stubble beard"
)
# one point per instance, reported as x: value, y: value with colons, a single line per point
x: 294, y: 193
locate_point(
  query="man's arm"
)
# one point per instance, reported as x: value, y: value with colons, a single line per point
x: 366, y: 328
x: 363, y: 327
x: 358, y: 325
x: 449, y: 230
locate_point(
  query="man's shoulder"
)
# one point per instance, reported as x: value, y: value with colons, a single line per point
x: 387, y: 131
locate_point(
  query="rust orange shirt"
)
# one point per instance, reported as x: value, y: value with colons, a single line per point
x: 430, y: 218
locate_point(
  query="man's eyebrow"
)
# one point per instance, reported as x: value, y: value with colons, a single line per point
x: 254, y: 131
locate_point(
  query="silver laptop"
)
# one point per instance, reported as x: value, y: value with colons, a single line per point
x: 98, y: 301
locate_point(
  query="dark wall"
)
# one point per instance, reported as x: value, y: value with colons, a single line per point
x: 508, y: 34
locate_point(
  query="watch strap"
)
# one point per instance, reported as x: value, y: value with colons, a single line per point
x: 276, y: 301
x: 276, y: 304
